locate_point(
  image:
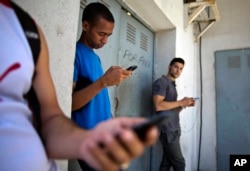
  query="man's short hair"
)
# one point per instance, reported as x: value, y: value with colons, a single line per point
x: 177, y: 59
x: 94, y: 11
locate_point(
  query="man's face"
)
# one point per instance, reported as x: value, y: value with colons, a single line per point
x: 175, y: 70
x: 96, y: 35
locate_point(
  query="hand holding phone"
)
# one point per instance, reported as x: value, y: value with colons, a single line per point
x: 132, y: 68
x: 142, y: 129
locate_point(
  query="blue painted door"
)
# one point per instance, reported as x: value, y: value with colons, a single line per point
x: 232, y: 104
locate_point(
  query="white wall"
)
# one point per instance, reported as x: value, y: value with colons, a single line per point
x: 232, y: 32
x: 173, y: 9
x: 188, y: 86
x: 59, y: 24
x: 58, y: 20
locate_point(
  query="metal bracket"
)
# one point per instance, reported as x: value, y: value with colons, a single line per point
x: 205, y: 13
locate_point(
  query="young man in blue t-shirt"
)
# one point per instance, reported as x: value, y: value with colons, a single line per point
x: 90, y: 100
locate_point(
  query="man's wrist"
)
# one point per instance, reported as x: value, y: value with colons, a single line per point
x: 102, y: 83
x: 181, y: 104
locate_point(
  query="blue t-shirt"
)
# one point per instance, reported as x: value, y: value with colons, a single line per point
x: 167, y: 88
x: 88, y: 69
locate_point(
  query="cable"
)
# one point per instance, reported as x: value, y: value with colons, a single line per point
x: 201, y: 85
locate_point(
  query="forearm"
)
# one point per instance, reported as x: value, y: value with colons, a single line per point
x: 62, y: 137
x: 81, y: 97
x: 167, y: 105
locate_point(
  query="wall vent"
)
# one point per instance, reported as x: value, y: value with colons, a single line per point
x: 144, y: 42
x: 234, y: 62
x: 131, y: 33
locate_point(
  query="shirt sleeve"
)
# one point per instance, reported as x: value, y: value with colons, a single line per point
x: 160, y: 88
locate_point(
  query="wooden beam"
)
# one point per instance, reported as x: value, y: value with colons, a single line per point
x: 198, y: 9
x: 196, y: 13
x: 216, y: 12
x: 201, y: 3
x: 205, y: 29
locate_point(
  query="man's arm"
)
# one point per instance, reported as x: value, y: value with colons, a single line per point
x: 113, y: 76
x: 100, y: 147
x: 55, y: 126
x: 83, y: 96
x: 160, y: 104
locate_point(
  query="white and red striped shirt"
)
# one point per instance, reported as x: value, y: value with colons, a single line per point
x: 20, y: 146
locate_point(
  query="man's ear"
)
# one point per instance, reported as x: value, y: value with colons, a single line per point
x: 85, y: 26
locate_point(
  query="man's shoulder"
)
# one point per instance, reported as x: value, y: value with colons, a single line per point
x: 83, y: 50
x: 163, y: 78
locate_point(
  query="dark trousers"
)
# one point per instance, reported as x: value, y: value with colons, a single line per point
x: 172, y: 155
x: 84, y: 166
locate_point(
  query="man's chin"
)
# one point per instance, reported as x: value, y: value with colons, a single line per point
x: 176, y: 76
x: 99, y: 46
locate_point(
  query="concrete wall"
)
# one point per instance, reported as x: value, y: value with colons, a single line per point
x: 188, y: 85
x: 173, y: 9
x: 58, y: 20
x: 59, y: 24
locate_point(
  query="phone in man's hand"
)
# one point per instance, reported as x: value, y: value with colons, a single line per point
x: 132, y: 68
x: 141, y: 129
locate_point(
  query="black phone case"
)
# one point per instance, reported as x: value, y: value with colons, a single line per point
x: 141, y: 129
x: 132, y: 68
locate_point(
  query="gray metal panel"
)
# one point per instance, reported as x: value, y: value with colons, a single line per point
x: 134, y: 95
x: 135, y: 48
x: 232, y: 104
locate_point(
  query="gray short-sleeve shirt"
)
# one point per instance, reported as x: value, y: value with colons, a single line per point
x: 167, y: 88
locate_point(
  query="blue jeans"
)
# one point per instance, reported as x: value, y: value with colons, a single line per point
x: 172, y: 155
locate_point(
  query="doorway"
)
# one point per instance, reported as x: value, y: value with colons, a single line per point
x: 232, y: 104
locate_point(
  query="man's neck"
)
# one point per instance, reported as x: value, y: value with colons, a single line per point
x: 84, y: 41
x: 170, y: 77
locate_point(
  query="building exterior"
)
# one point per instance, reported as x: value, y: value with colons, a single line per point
x: 160, y: 31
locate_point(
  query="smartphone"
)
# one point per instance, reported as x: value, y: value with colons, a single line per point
x: 196, y: 98
x: 142, y: 129
x: 132, y: 68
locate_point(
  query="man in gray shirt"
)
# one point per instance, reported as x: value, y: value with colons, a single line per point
x: 165, y: 102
